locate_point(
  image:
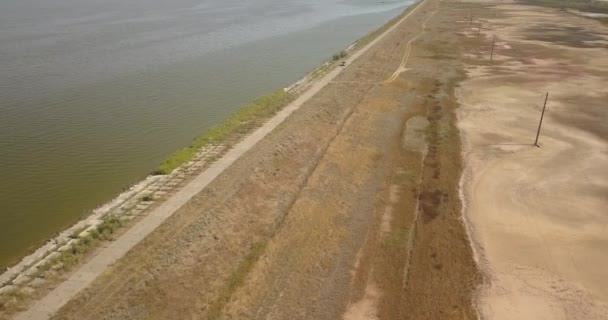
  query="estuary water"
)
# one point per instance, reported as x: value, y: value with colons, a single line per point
x: 94, y: 94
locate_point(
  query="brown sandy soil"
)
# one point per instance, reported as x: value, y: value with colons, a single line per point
x: 349, y: 209
x: 538, y: 216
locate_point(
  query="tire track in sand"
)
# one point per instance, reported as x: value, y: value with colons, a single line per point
x: 408, y: 50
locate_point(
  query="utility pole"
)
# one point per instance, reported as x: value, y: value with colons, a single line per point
x: 492, y: 52
x: 478, y: 29
x: 540, y: 123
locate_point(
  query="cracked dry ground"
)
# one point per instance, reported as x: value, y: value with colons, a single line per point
x: 318, y: 221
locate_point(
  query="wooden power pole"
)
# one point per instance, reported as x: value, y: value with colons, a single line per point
x: 492, y: 52
x: 540, y: 123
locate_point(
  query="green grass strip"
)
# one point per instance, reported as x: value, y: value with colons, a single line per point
x: 240, y: 123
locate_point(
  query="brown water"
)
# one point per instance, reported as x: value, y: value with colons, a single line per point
x: 95, y: 93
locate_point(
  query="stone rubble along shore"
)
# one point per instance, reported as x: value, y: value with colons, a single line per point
x: 126, y: 206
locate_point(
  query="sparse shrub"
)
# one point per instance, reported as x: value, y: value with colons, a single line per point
x: 340, y: 55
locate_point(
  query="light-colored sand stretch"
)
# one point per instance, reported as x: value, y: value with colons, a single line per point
x: 115, y: 250
x: 538, y: 216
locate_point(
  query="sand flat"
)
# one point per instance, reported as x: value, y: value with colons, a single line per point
x: 538, y: 215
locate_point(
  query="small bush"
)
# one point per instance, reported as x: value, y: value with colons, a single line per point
x: 340, y: 55
x: 147, y: 198
x: 104, y: 230
x: 109, y: 225
x: 75, y: 234
x: 12, y: 299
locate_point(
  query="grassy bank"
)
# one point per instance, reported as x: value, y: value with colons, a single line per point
x: 239, y: 124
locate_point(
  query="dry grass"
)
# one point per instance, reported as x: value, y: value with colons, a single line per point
x: 236, y: 279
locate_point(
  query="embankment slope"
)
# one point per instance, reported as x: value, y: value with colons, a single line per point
x: 348, y: 209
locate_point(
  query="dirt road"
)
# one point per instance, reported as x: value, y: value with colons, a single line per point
x: 538, y: 216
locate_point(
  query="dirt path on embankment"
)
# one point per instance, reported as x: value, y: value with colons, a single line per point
x: 348, y: 209
x: 539, y: 215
